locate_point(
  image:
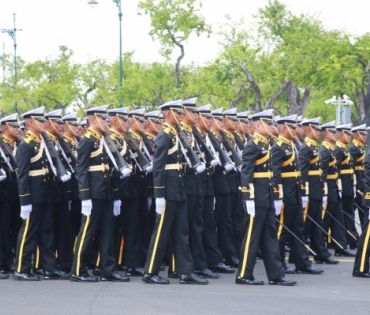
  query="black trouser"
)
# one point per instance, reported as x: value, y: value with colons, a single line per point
x: 291, y: 216
x: 145, y: 232
x: 36, y: 230
x: 236, y: 207
x: 5, y: 250
x: 360, y: 208
x: 15, y: 221
x: 260, y: 232
x: 98, y: 224
x: 196, y: 227
x: 210, y: 245
x: 63, y: 235
x: 171, y: 224
x: 75, y: 219
x: 337, y: 232
x: 349, y: 219
x: 316, y: 235
x: 224, y: 226
x: 363, y: 250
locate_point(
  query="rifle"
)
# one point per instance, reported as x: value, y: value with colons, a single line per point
x: 238, y: 142
x: 148, y: 144
x: 186, y: 149
x: 67, y: 151
x: 229, y: 147
x: 224, y: 157
x: 118, y: 161
x: 142, y: 162
x: 207, y: 151
x: 8, y: 156
x: 58, y: 169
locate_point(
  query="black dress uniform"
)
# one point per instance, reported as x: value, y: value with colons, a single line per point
x: 95, y: 184
x: 358, y: 154
x: 361, y: 265
x: 348, y: 180
x: 172, y: 223
x: 333, y: 206
x: 259, y: 230
x: 33, y: 178
x: 285, y: 166
x: 311, y: 174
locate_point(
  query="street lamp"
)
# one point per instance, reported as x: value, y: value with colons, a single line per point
x: 12, y: 33
x: 343, y: 113
x: 93, y: 4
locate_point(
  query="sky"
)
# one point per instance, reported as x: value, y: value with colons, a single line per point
x: 94, y: 33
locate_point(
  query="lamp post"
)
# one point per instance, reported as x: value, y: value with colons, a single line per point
x: 343, y: 111
x: 12, y: 34
x: 93, y: 4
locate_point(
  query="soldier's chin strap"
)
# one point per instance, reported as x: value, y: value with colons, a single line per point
x: 96, y: 116
x: 290, y: 132
x: 137, y: 124
x: 241, y: 126
x: 264, y: 126
x: 346, y: 136
x: 153, y: 125
x: 314, y: 133
x: 120, y: 123
x: 331, y: 135
x: 361, y: 136
x: 11, y: 130
x: 51, y: 121
x: 37, y: 123
x: 174, y: 115
x: 69, y: 127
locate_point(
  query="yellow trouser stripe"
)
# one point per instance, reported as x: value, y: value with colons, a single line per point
x: 37, y: 257
x: 121, y: 251
x: 280, y: 229
x: 74, y: 245
x: 81, y: 244
x: 305, y: 211
x: 323, y: 211
x: 157, y: 239
x: 173, y: 264
x: 363, y: 256
x: 98, y: 260
x: 22, y: 243
x: 246, y: 249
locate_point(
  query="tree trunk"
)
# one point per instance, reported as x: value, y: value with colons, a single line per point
x: 272, y: 100
x: 255, y: 87
x: 293, y: 99
x: 305, y: 100
x: 177, y: 68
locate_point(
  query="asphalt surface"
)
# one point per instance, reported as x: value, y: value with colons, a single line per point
x: 334, y: 292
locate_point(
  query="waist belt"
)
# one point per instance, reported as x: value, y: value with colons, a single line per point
x: 315, y: 173
x: 332, y: 176
x: 350, y: 171
x: 359, y: 168
x: 170, y: 167
x: 263, y: 174
x: 42, y: 172
x: 99, y: 168
x: 290, y: 174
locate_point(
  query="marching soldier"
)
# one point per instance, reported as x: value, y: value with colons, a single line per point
x: 210, y: 244
x: 33, y: 161
x: 332, y: 211
x: 259, y: 224
x: 170, y: 200
x: 99, y: 201
x: 312, y: 197
x: 221, y: 190
x: 361, y: 265
x: 347, y: 179
x: 358, y: 154
x: 245, y: 126
x: 288, y: 185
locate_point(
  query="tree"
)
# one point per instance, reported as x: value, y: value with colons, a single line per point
x: 172, y: 23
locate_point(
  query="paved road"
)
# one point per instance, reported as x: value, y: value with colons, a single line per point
x: 334, y: 292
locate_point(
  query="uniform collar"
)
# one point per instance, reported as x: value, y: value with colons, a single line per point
x: 116, y: 134
x: 284, y: 140
x: 229, y: 134
x: 94, y: 133
x: 341, y: 145
x: 167, y: 128
x: 310, y: 142
x: 135, y: 135
x: 358, y: 143
x: 328, y: 145
x: 150, y: 136
x: 33, y: 136
x: 260, y: 138
x: 69, y: 139
x: 186, y: 127
x: 8, y: 140
x: 52, y: 137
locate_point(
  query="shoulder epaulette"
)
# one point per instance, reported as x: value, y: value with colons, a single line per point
x: 328, y: 145
x: 186, y: 128
x: 167, y: 129
x: 87, y: 134
x: 31, y: 137
x: 92, y: 133
x: 258, y: 138
x: 282, y: 140
x: 309, y: 142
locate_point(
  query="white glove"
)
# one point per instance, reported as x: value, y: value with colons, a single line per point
x: 86, y: 206
x: 159, y: 205
x: 229, y: 167
x: 354, y: 191
x: 25, y: 211
x: 125, y: 172
x: 65, y: 178
x: 324, y: 200
x: 117, y: 207
x: 340, y: 194
x: 150, y: 200
x: 200, y: 168
x: 278, y: 204
x: 2, y: 175
x: 69, y: 205
x: 215, y: 162
x: 304, y: 201
x: 251, y: 207
x: 149, y: 168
